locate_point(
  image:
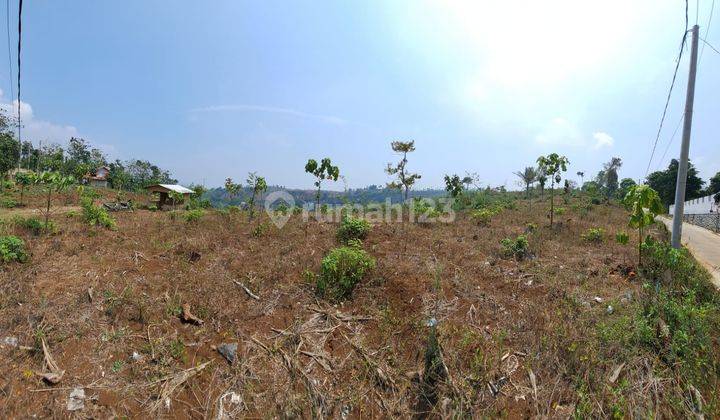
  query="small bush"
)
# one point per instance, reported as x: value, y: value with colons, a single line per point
x: 531, y: 227
x: 35, y: 225
x: 96, y: 215
x: 517, y: 248
x: 12, y: 249
x: 594, y: 235
x: 192, y: 216
x: 340, y: 270
x: 152, y: 207
x: 8, y: 203
x: 483, y: 216
x: 559, y: 211
x: 622, y: 238
x: 352, y: 228
x: 260, y: 230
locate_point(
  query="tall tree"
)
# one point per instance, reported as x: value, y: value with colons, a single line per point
x: 582, y: 177
x: 405, y: 179
x: 528, y: 176
x: 259, y: 186
x: 664, y: 183
x: 610, y: 170
x: 714, y: 186
x: 454, y: 185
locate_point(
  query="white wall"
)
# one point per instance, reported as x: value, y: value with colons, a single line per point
x: 702, y: 205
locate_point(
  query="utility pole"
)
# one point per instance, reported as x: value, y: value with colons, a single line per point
x: 685, y: 148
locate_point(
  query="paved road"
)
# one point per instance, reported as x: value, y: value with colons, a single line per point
x: 704, y: 245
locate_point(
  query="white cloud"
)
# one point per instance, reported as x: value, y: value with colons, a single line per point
x: 37, y: 130
x: 603, y: 140
x: 270, y: 109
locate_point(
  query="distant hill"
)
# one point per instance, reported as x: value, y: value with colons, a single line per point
x: 220, y: 198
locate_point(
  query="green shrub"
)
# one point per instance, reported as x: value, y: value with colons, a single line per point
x: 152, y: 207
x: 341, y: 269
x: 483, y: 216
x: 192, y: 216
x: 352, y: 228
x: 8, y: 203
x: 559, y: 211
x: 260, y: 230
x: 594, y: 235
x: 12, y: 249
x: 96, y: 215
x: 622, y: 238
x: 517, y: 248
x: 35, y: 225
x: 531, y: 227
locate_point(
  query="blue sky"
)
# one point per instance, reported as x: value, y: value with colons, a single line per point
x: 211, y: 90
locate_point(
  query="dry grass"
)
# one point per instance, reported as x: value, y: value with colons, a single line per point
x: 509, y: 331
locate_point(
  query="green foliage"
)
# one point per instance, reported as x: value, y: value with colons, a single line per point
x: 559, y: 211
x: 528, y: 177
x: 260, y: 230
x: 325, y: 170
x: 192, y: 216
x: 552, y: 165
x: 352, y: 228
x: 405, y: 179
x: 594, y: 235
x: 483, y: 216
x: 664, y: 183
x: 12, y: 249
x: 96, y: 215
x: 9, y: 148
x: 454, y: 185
x: 518, y: 248
x: 678, y: 318
x: 644, y: 205
x: 8, y: 203
x: 622, y: 238
x: 341, y: 269
x: 35, y: 225
x: 259, y: 186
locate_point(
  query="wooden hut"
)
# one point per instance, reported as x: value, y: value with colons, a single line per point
x: 163, y: 193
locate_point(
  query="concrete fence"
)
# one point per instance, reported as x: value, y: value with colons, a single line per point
x: 703, y: 212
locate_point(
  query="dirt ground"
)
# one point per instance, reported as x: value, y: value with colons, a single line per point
x: 107, y: 305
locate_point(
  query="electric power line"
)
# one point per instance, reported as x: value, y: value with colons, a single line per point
x: 709, y: 45
x: 672, y: 85
x: 18, y: 69
x: 7, y: 19
x: 670, y: 142
x: 707, y: 28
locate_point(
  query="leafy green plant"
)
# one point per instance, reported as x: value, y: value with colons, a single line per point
x: 352, y: 228
x: 553, y: 165
x: 260, y: 230
x: 8, y: 203
x: 35, y: 225
x: 622, y: 238
x: 644, y: 205
x: 23, y: 179
x: 483, y: 217
x: 176, y: 197
x: 259, y: 186
x: 341, y: 269
x: 95, y: 215
x: 594, y: 235
x: 192, y: 216
x: 52, y: 182
x: 519, y: 248
x: 12, y: 249
x: 559, y: 211
x: 325, y: 170
x: 405, y: 179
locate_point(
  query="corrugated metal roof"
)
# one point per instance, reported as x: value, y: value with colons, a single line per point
x: 177, y: 188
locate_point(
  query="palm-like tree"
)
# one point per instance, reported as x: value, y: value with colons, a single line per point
x: 528, y: 176
x: 582, y: 178
x: 541, y: 179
